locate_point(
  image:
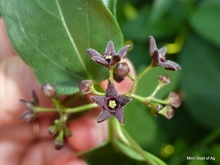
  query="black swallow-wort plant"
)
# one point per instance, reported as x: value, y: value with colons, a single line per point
x: 112, y: 105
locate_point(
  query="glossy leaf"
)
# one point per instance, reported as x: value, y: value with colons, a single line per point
x: 205, y: 22
x: 201, y: 81
x: 111, y: 4
x: 53, y: 36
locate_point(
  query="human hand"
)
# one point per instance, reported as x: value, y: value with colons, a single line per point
x: 23, y: 143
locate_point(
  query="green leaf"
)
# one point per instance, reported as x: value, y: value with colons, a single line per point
x: 53, y: 36
x: 111, y: 4
x: 201, y: 81
x: 205, y: 22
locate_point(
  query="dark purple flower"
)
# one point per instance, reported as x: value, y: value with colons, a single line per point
x: 110, y: 57
x: 112, y: 104
x: 30, y: 114
x: 159, y: 58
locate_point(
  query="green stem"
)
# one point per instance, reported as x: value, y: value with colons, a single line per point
x: 111, y: 75
x: 140, y: 76
x: 150, y: 98
x: 137, y: 148
x: 137, y: 97
x: 111, y: 129
x: 81, y: 108
x: 120, y: 133
x: 57, y: 103
x: 40, y: 109
x: 156, y: 90
x: 130, y: 77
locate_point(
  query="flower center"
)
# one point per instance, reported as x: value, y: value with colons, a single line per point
x: 112, y: 104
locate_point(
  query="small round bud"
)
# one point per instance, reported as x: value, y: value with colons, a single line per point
x: 122, y: 69
x: 167, y: 112
x: 58, y: 144
x: 163, y: 79
x: 84, y: 86
x: 53, y: 130
x: 118, y: 79
x: 174, y: 99
x: 48, y: 90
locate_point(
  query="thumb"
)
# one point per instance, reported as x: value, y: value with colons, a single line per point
x: 17, y: 81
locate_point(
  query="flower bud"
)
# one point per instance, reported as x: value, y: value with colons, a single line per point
x: 59, y: 142
x: 174, y: 99
x: 48, y: 90
x: 122, y: 69
x: 53, y: 130
x: 163, y: 80
x: 67, y: 132
x: 118, y: 79
x: 84, y: 86
x: 167, y: 112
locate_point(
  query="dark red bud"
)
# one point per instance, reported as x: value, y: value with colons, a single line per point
x: 48, y: 90
x: 122, y: 69
x: 58, y: 144
x: 164, y: 79
x: 84, y: 86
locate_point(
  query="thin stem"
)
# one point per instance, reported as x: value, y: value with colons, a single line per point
x: 130, y: 77
x: 140, y: 76
x: 111, y: 78
x: 156, y: 90
x: 120, y: 133
x: 150, y: 98
x: 57, y: 103
x: 81, y: 108
x: 137, y: 148
x: 40, y: 109
x: 140, y: 98
x: 111, y: 129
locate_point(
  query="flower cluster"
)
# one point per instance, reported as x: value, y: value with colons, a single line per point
x: 111, y: 103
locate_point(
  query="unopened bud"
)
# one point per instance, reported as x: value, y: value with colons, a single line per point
x: 118, y: 79
x: 48, y: 90
x: 53, y: 130
x: 59, y: 142
x: 84, y: 86
x: 67, y: 132
x: 167, y: 112
x: 174, y: 99
x: 163, y: 80
x: 122, y: 69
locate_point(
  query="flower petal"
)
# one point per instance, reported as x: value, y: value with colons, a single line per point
x: 119, y: 114
x: 100, y: 100
x: 153, y: 45
x: 105, y: 114
x: 170, y: 65
x: 100, y: 60
x: 123, y: 51
x: 163, y: 51
x: 111, y: 91
x: 110, y: 50
x: 123, y: 100
x: 115, y: 59
x: 93, y: 53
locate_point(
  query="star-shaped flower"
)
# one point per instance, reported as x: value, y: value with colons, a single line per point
x: 110, y: 57
x: 159, y: 58
x: 112, y: 104
x: 30, y: 114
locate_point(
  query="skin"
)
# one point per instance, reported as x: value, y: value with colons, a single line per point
x: 30, y: 143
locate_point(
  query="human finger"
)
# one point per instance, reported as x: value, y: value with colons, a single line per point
x: 5, y: 45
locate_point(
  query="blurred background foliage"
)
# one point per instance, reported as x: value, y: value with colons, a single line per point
x: 190, y: 30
